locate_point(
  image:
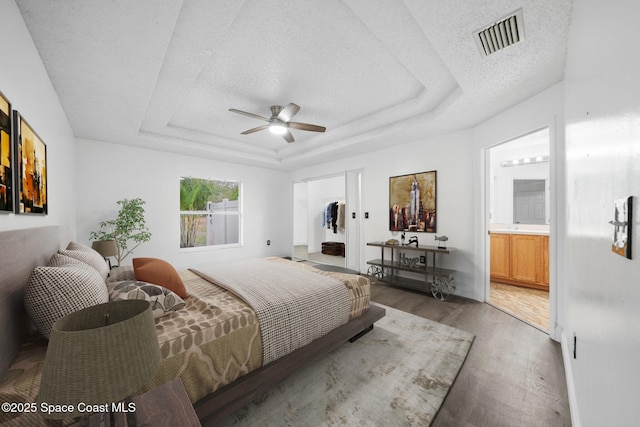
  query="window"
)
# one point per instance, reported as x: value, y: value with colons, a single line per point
x: 210, y: 212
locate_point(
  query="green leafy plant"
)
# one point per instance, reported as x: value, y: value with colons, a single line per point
x: 128, y: 229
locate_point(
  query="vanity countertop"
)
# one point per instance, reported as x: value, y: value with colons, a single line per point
x: 540, y: 230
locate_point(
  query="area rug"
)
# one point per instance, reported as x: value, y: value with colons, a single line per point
x: 396, y: 375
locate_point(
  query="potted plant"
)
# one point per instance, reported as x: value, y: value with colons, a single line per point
x: 128, y: 229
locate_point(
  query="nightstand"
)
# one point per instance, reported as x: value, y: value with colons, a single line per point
x: 167, y: 405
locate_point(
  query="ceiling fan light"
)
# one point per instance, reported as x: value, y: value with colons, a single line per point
x: 277, y: 128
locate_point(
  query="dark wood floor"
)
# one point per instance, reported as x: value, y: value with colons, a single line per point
x: 513, y: 375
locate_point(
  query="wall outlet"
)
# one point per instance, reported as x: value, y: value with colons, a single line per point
x: 268, y: 242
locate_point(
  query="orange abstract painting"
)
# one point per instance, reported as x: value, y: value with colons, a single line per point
x: 6, y: 157
x: 32, y: 158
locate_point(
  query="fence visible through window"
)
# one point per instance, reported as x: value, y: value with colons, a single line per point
x: 210, y: 213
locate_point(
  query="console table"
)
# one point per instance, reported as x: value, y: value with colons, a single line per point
x: 437, y: 280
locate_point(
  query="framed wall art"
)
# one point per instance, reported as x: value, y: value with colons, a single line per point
x: 622, y: 223
x: 6, y: 157
x: 412, y: 202
x: 31, y: 155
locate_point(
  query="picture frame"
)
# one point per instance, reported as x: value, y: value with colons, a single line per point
x: 31, y: 161
x: 622, y: 223
x: 413, y: 202
x: 6, y: 157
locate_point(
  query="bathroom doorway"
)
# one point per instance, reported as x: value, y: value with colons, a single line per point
x: 519, y: 227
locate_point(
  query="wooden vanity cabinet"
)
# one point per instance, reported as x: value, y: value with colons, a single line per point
x: 500, y: 256
x: 520, y: 259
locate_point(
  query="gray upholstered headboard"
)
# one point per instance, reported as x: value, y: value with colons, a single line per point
x: 20, y: 252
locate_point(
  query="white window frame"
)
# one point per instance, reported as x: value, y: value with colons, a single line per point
x: 238, y: 213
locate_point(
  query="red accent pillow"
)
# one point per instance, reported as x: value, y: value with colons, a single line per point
x: 159, y: 272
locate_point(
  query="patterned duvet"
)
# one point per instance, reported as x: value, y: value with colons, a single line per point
x: 209, y: 343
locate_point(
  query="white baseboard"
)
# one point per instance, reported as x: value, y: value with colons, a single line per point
x: 463, y: 291
x: 567, y: 354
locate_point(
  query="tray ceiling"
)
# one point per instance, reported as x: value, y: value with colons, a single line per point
x: 162, y: 74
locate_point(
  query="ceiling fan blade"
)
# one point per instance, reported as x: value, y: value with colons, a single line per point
x: 288, y: 112
x: 287, y: 136
x: 247, y: 132
x: 306, y: 126
x: 244, y: 113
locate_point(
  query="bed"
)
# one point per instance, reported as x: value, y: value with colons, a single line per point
x: 215, y: 318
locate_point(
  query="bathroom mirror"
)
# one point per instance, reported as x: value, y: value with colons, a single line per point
x: 529, y: 201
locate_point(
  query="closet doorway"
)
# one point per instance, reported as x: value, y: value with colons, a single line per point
x: 320, y: 221
x: 519, y: 227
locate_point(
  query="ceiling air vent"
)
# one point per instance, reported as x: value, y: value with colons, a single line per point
x: 501, y: 34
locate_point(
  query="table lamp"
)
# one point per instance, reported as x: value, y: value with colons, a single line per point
x: 98, y: 356
x: 106, y: 248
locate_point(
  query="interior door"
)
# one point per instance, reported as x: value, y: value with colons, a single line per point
x: 300, y: 250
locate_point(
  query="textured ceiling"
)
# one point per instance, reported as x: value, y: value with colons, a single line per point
x: 162, y: 74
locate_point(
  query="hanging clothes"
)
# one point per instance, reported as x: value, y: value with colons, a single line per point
x: 327, y: 215
x: 341, y: 219
x: 334, y: 217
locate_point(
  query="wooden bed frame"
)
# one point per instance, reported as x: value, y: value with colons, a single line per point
x: 22, y: 250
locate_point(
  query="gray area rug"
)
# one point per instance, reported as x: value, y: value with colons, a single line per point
x: 396, y: 375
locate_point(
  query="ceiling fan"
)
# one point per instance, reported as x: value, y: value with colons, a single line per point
x: 279, y: 122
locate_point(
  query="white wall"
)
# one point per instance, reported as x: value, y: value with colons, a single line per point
x: 602, y: 93
x: 301, y: 214
x: 110, y: 172
x: 24, y: 81
x: 451, y: 157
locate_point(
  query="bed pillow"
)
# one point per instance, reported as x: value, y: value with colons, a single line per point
x: 75, y: 246
x: 59, y: 260
x: 159, y: 272
x: 54, y: 292
x: 91, y: 257
x: 162, y: 300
